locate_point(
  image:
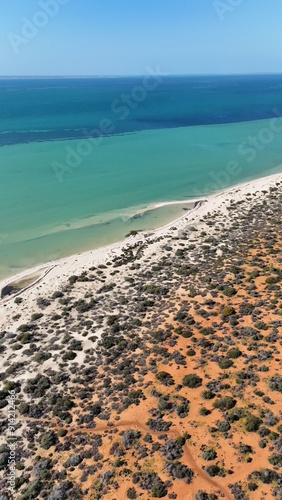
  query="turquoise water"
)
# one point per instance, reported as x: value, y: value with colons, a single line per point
x: 52, y: 207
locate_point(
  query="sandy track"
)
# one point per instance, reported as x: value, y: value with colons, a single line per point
x: 177, y: 432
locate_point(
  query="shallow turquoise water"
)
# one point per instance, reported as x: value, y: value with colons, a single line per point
x: 48, y: 212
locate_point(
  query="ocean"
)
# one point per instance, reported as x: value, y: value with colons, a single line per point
x: 83, y: 161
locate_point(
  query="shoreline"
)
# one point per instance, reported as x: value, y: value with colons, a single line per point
x: 89, y: 348
x: 64, y: 267
x: 124, y: 216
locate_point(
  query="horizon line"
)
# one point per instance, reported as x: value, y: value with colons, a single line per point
x: 14, y: 77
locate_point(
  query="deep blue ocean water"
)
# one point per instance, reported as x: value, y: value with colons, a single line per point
x: 40, y: 109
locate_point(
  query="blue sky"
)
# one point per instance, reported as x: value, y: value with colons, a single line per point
x: 121, y: 37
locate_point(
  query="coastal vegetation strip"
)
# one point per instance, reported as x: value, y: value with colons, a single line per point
x: 155, y: 372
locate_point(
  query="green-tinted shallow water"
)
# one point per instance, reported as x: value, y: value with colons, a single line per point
x: 48, y: 212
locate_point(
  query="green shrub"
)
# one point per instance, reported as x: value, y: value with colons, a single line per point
x: 190, y: 352
x: 275, y: 459
x: 234, y: 353
x: 225, y: 363
x: 204, y: 411
x: 177, y: 470
x: 245, y: 448
x: 180, y: 440
x: 48, y: 440
x: 23, y: 408
x: 165, y: 378
x: 208, y: 394
x: 131, y: 493
x: 182, y: 409
x: 62, y: 432
x: 212, y: 470
x: 223, y: 426
x: 229, y: 291
x: 227, y: 311
x: 38, y: 386
x: 36, y: 316
x: 158, y: 490
x: 275, y: 383
x: 69, y: 356
x: 41, y: 356
x: 246, y: 308
x: 180, y: 316
x: 272, y: 280
x: 73, y: 279
x: 57, y: 295
x: 184, y: 333
x: 208, y: 330
x: 236, y: 414
x: 164, y: 404
x: 32, y: 490
x: 13, y: 367
x: 24, y: 338
x: 192, y: 380
x: 252, y: 486
x: 10, y: 385
x: 261, y: 325
x: 252, y: 423
x: 24, y: 328
x: 225, y: 403
x: 209, y: 454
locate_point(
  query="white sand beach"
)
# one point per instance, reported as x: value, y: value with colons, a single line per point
x: 43, y: 280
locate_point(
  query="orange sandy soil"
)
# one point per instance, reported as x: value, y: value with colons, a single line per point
x: 135, y: 417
